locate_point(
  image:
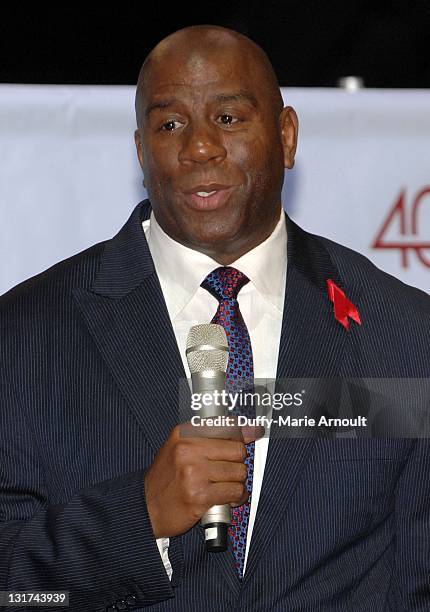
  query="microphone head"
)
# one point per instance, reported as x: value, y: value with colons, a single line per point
x: 207, y: 348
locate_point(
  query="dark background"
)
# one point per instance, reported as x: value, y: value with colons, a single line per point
x: 310, y: 43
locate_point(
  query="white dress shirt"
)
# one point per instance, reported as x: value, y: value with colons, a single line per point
x: 261, y: 301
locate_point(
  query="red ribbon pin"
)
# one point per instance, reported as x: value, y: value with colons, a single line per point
x: 343, y: 308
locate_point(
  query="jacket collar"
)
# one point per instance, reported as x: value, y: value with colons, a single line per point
x: 126, y: 260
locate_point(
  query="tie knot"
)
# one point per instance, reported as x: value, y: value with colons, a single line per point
x: 225, y: 282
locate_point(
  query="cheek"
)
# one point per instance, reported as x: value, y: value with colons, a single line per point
x: 269, y: 160
x: 158, y: 171
x: 158, y: 157
x: 257, y: 155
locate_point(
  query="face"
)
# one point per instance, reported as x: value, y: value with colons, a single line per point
x: 213, y: 151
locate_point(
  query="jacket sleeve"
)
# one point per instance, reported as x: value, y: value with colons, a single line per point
x: 410, y: 584
x: 99, y: 545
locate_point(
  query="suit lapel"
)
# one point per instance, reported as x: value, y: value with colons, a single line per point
x: 127, y: 317
x: 312, y: 345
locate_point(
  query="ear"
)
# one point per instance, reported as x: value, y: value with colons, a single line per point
x: 289, y: 124
x: 138, y: 142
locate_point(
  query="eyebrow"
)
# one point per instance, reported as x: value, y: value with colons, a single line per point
x: 161, y: 105
x: 237, y: 96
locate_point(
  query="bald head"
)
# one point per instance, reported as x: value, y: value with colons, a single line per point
x: 205, y: 45
x: 213, y: 140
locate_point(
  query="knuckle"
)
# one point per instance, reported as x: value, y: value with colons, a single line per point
x: 181, y: 452
x: 197, y: 499
x: 188, y: 474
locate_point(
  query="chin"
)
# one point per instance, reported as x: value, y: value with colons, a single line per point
x: 217, y: 245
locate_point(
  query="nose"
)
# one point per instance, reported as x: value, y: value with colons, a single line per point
x: 201, y: 144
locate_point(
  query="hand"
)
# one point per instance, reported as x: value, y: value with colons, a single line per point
x: 195, y: 469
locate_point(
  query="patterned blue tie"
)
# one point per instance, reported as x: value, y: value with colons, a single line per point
x: 225, y: 283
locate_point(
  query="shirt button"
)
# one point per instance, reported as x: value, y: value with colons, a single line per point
x: 121, y: 605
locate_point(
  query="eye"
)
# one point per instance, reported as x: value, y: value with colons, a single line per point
x: 169, y: 126
x: 227, y: 119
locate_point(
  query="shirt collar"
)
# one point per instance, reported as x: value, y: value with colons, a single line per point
x: 181, y: 269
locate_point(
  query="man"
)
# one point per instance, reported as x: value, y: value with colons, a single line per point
x: 101, y: 495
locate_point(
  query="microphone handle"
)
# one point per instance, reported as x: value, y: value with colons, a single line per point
x: 217, y: 519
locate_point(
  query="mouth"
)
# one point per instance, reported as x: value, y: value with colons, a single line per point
x: 208, y: 197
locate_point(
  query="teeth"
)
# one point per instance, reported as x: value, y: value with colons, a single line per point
x: 205, y: 194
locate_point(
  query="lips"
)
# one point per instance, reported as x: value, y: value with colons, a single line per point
x: 208, y: 197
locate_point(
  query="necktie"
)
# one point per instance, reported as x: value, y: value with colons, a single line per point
x: 225, y: 283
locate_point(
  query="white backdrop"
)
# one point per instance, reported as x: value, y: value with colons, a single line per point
x: 69, y: 175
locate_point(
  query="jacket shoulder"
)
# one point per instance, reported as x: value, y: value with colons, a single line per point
x: 359, y: 271
x: 54, y: 285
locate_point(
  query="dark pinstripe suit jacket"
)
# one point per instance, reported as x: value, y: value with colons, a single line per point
x: 88, y: 374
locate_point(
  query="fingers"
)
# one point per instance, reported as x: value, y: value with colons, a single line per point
x: 190, y: 474
x: 236, y: 504
x: 191, y: 450
x: 233, y: 493
x: 226, y: 471
x: 214, y: 443
x: 232, y: 431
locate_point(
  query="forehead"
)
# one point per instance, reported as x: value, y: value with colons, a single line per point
x: 197, y: 72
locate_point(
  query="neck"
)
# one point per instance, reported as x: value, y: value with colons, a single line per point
x: 227, y: 257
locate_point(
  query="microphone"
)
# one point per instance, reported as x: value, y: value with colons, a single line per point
x: 207, y: 356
